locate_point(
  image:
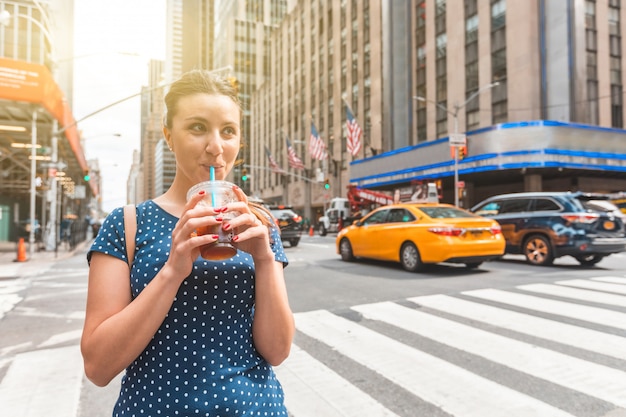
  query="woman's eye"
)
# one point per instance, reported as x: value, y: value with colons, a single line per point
x: 230, y: 131
x: 197, y: 127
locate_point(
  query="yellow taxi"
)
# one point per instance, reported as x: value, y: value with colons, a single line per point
x: 620, y: 203
x: 415, y: 234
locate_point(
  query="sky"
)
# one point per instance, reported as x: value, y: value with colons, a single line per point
x: 113, y: 42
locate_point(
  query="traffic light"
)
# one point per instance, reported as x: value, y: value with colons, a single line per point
x: 86, y: 176
x: 326, y: 184
x: 244, y: 175
x: 462, y: 151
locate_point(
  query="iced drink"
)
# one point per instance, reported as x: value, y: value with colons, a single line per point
x: 217, y: 194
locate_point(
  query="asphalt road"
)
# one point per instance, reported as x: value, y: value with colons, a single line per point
x: 507, y: 339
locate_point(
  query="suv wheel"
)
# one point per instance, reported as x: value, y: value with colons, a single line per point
x: 321, y: 229
x: 538, y: 250
x: 589, y: 260
x: 345, y: 249
x: 410, y: 257
x: 294, y: 242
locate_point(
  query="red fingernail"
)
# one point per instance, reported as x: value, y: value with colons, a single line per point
x: 235, y: 238
x: 215, y: 237
x: 221, y: 209
x: 218, y: 219
x: 201, y: 192
x: 226, y: 226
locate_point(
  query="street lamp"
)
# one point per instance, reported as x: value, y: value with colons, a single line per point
x: 454, y: 142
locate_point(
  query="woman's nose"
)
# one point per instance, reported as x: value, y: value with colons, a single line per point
x: 214, y: 144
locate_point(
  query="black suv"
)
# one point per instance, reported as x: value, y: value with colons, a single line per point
x: 547, y: 225
x: 289, y: 222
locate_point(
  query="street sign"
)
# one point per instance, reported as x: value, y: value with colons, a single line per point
x: 458, y: 139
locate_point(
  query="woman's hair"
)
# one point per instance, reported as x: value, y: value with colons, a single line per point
x: 197, y: 82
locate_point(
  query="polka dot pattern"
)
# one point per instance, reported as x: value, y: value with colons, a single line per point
x: 201, y: 361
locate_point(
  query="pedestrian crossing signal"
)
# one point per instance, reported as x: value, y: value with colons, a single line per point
x: 244, y: 175
x: 326, y: 184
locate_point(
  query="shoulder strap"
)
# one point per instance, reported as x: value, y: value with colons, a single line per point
x: 130, y: 229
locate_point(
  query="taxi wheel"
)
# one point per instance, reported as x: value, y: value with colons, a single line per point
x: 410, y: 257
x: 538, y: 250
x: 345, y: 248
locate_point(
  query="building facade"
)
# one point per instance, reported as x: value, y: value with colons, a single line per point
x: 324, y: 58
x: 534, y: 88
x: 242, y: 37
x: 44, y: 169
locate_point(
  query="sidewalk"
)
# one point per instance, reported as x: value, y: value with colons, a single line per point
x: 10, y: 268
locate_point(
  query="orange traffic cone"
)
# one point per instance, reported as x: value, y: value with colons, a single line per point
x: 21, y: 251
x: 311, y: 231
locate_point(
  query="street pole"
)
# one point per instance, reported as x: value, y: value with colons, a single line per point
x: 33, y: 184
x: 455, y: 114
x: 456, y: 158
x: 51, y: 235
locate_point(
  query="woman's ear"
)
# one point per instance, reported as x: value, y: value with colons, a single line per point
x: 168, y: 138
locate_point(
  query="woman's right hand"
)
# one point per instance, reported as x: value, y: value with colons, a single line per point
x: 186, y: 242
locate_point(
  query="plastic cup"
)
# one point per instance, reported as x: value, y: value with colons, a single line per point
x: 217, y: 194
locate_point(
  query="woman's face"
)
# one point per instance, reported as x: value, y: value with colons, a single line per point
x: 205, y: 133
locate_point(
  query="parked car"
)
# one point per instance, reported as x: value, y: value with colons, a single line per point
x: 415, y: 234
x: 544, y: 226
x: 289, y: 222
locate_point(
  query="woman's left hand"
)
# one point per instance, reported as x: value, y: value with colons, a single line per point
x: 251, y: 235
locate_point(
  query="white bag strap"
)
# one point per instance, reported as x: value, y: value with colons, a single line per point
x: 130, y: 229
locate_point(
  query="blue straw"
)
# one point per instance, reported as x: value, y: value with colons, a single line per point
x: 212, y: 176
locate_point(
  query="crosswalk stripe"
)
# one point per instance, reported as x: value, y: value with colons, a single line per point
x: 592, y: 379
x: 449, y: 387
x: 580, y: 337
x: 615, y: 280
x: 598, y: 286
x: 313, y: 390
x: 576, y: 294
x: 579, y: 312
x: 43, y: 383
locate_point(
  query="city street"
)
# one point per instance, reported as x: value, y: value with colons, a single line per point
x: 507, y: 339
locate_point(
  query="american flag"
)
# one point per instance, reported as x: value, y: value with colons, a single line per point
x: 317, y: 147
x: 273, y: 164
x: 294, y: 161
x: 354, y: 133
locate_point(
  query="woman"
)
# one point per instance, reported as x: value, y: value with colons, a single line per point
x: 196, y: 337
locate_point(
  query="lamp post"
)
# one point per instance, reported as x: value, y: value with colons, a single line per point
x: 455, y: 115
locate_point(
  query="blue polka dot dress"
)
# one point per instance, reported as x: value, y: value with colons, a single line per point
x: 201, y: 361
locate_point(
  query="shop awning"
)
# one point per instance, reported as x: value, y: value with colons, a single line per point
x: 27, y: 82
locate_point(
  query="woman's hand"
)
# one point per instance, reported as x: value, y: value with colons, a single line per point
x: 186, y: 242
x: 251, y: 235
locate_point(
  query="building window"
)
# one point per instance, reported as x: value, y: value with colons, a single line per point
x: 615, y: 40
x: 499, y: 99
x: 440, y: 16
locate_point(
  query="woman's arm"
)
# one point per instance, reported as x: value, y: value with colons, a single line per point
x: 273, y: 327
x: 117, y: 330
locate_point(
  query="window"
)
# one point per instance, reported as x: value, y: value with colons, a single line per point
x: 544, y: 204
x: 376, y: 218
x: 516, y: 205
x: 400, y: 216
